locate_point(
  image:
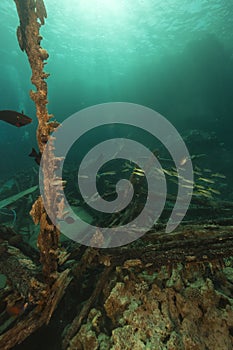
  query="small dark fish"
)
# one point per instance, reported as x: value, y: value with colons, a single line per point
x: 69, y: 220
x: 15, y: 118
x: 36, y: 155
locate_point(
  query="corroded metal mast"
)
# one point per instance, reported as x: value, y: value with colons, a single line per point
x: 32, y: 14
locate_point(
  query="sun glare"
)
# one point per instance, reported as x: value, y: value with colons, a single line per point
x: 100, y: 7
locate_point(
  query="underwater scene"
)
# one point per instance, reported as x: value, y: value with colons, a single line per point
x: 116, y: 196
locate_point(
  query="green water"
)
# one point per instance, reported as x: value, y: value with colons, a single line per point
x: 173, y: 56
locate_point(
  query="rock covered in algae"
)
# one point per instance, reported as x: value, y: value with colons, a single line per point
x: 87, y: 337
x: 182, y: 308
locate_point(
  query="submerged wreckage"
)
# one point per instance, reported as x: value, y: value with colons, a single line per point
x: 170, y: 291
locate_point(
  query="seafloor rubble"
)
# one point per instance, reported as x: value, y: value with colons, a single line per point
x: 172, y: 309
x: 162, y: 292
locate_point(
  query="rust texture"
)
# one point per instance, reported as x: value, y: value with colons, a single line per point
x: 32, y: 14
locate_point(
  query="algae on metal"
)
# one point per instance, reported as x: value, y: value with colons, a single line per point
x: 32, y: 16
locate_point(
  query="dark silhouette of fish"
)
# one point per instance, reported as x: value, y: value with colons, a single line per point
x: 36, y: 155
x: 69, y: 220
x: 14, y: 118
